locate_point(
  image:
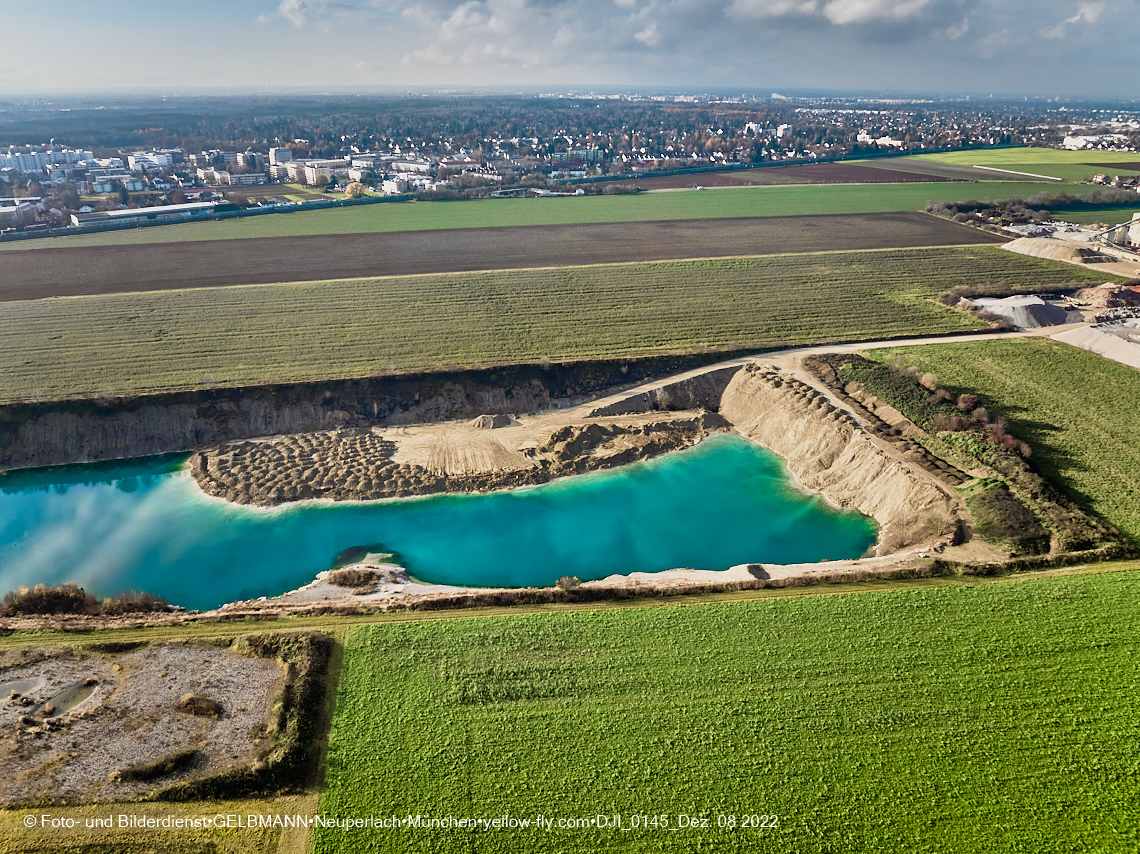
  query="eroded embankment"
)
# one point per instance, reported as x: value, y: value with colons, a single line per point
x: 82, y: 431
x: 827, y: 452
x: 359, y: 465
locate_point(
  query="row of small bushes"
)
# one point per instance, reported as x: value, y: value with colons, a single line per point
x: 1113, y: 551
x: 964, y: 431
x: 73, y: 599
x: 294, y: 721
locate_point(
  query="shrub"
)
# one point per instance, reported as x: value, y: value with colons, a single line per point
x: 568, y: 582
x: 968, y: 402
x: 70, y: 598
x: 164, y: 767
x: 353, y: 577
x: 63, y: 599
x: 203, y: 707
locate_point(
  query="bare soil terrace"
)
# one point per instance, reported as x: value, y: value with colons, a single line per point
x: 175, y: 266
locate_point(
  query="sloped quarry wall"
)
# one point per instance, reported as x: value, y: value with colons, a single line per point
x: 828, y: 453
x: 79, y: 431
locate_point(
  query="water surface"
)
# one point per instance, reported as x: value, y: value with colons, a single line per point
x: 144, y: 525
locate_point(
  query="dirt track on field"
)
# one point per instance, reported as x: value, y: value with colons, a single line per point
x: 819, y: 173
x: 171, y: 266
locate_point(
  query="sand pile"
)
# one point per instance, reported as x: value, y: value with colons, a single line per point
x: 1058, y: 250
x: 1027, y: 312
x: 490, y: 422
x: 1109, y: 295
x: 1113, y: 341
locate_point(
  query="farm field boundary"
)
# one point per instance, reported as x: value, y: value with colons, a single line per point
x: 125, y: 345
x: 864, y: 723
x: 166, y: 266
x: 1076, y: 409
x: 483, y: 213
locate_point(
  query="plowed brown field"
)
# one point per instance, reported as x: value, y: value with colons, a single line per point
x: 818, y: 173
x: 119, y: 269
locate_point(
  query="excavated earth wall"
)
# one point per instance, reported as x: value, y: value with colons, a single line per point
x: 827, y: 452
x: 81, y: 431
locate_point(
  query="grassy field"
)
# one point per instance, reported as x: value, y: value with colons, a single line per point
x: 1108, y: 215
x: 988, y: 718
x: 426, y: 216
x: 1076, y: 409
x: 145, y: 342
x: 1068, y: 165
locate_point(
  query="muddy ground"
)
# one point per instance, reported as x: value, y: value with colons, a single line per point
x: 170, y: 266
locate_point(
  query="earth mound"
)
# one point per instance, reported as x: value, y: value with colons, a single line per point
x: 1109, y: 295
x: 490, y: 422
x: 1028, y: 312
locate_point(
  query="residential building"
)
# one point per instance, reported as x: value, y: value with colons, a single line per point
x: 16, y: 213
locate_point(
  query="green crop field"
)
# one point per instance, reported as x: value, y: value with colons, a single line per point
x: 1106, y: 215
x: 1055, y: 163
x: 989, y: 718
x: 1076, y: 409
x: 126, y: 344
x: 483, y: 213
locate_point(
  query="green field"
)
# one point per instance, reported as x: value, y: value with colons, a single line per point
x: 989, y: 718
x: 1055, y: 163
x: 126, y: 344
x: 1076, y: 409
x: 1108, y: 215
x: 483, y: 213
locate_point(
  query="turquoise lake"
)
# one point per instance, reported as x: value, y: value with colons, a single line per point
x: 144, y: 525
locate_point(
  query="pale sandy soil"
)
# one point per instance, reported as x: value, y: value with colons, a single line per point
x: 1059, y: 249
x: 457, y: 448
x: 129, y: 719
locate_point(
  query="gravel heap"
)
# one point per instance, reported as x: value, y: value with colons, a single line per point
x: 1028, y: 312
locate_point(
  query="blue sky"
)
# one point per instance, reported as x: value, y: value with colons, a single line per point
x: 1042, y: 47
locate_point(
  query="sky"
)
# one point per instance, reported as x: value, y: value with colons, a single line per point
x: 1071, y: 48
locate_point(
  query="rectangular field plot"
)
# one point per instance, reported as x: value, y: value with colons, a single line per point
x: 487, y: 213
x: 128, y: 344
x: 1078, y: 411
x: 1001, y: 717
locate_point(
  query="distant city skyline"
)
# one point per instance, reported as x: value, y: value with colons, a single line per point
x: 1052, y: 48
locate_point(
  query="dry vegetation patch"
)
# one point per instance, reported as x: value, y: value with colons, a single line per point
x: 104, y: 724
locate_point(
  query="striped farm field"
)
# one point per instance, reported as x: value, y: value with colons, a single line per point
x: 997, y: 717
x: 130, y: 344
x: 502, y: 213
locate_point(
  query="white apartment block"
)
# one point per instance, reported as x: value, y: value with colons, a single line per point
x: 38, y: 161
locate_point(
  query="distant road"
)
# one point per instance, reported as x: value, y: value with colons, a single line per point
x: 171, y: 266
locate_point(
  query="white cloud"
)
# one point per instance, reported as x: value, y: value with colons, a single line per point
x: 301, y: 13
x: 958, y: 30
x: 432, y: 54
x: 863, y: 11
x: 469, y: 16
x: 649, y: 36
x: 772, y: 8
x: 295, y: 10
x: 563, y: 37
x: 836, y: 11
x: 1087, y: 12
